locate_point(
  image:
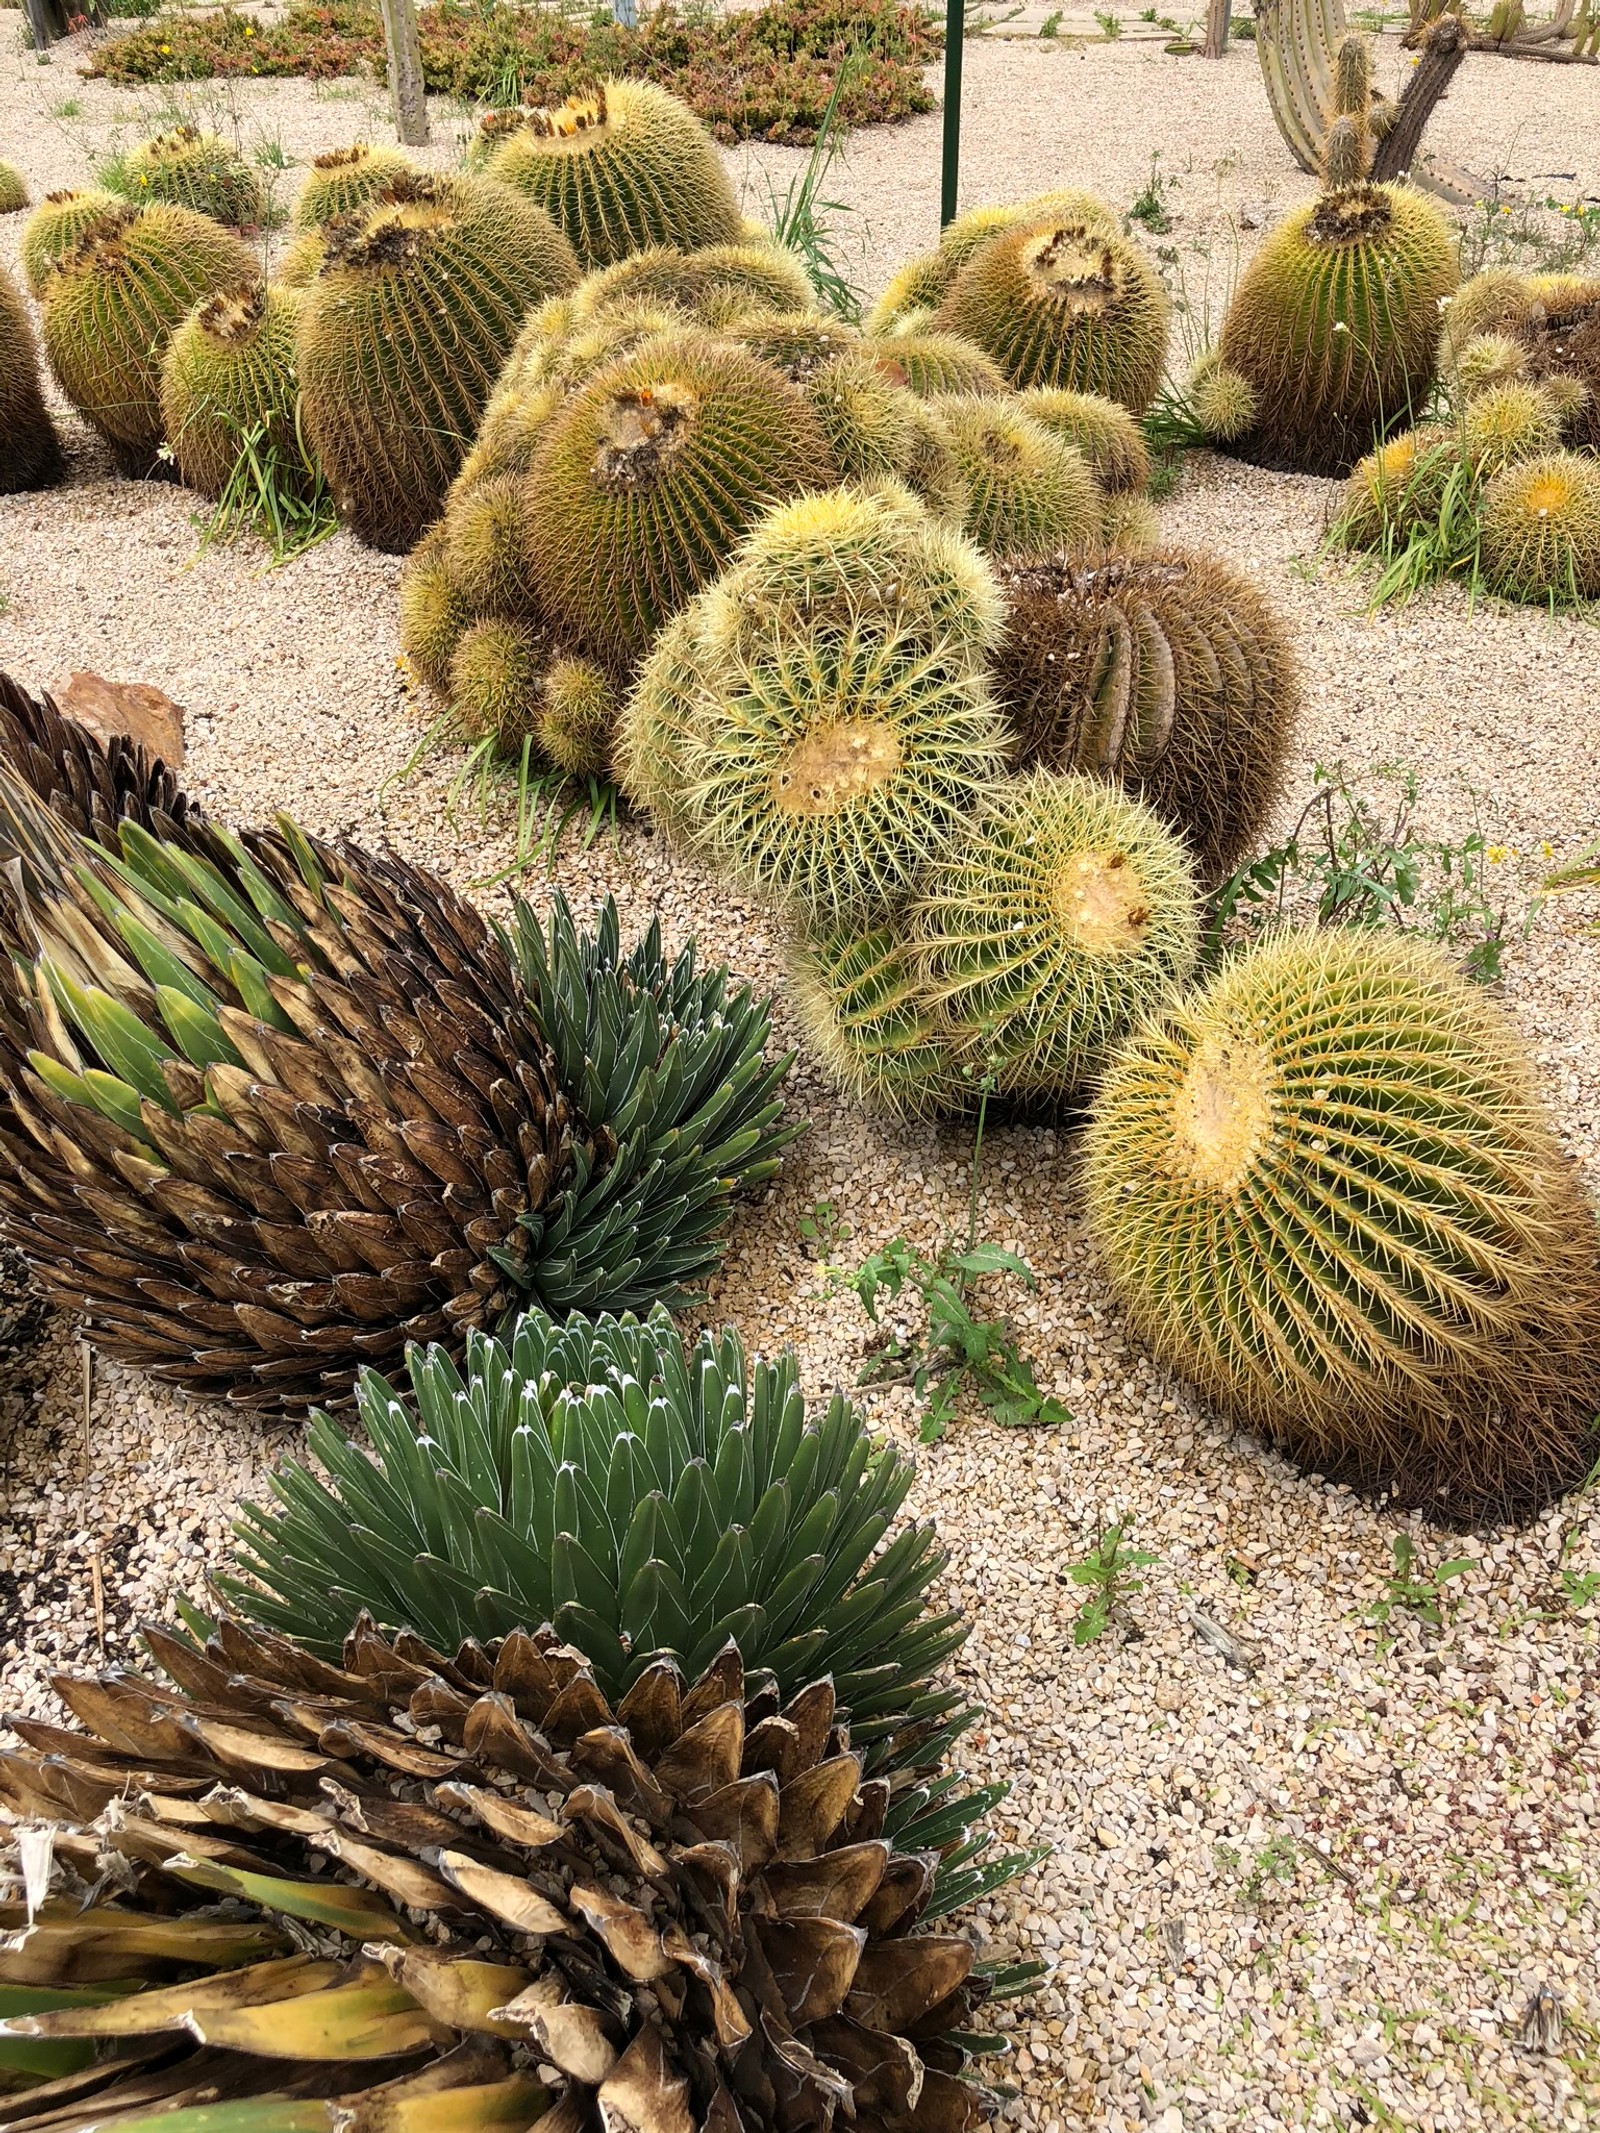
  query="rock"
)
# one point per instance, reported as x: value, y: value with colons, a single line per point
x: 132, y: 707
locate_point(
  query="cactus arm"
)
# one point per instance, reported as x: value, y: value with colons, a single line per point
x: 1295, y: 43
x: 1443, y: 50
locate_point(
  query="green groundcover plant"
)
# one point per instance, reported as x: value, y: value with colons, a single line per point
x: 766, y: 74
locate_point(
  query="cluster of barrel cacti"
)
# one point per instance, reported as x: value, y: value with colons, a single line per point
x: 1511, y: 455
x: 650, y: 415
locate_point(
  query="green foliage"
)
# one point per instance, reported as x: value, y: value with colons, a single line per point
x: 757, y: 74
x: 823, y: 1230
x: 1348, y: 862
x: 1410, y: 1588
x: 642, y: 1497
x: 1150, y: 206
x: 274, y: 491
x: 959, y: 1352
x: 1326, y: 1191
x: 620, y: 169
x: 805, y: 223
x: 1110, y: 1571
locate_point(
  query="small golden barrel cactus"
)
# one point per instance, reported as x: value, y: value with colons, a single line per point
x: 870, y: 424
x: 1027, y: 490
x: 1500, y: 423
x: 30, y: 450
x: 57, y: 224
x: 1561, y: 336
x: 228, y: 381
x: 859, y: 995
x: 831, y: 712
x: 1485, y: 360
x: 496, y: 683
x: 1335, y: 326
x: 1326, y: 1192
x: 577, y: 718
x: 345, y: 179
x: 928, y: 363
x: 922, y: 282
x: 1059, y: 912
x: 13, y: 190
x: 1541, y: 529
x: 717, y: 285
x: 189, y: 168
x: 404, y: 331
x: 486, y: 548
x: 434, y: 614
x: 1065, y: 302
x: 1400, y: 487
x: 1104, y: 432
x: 1168, y: 672
x: 648, y: 476
x: 1222, y: 400
x: 113, y: 303
x: 621, y: 169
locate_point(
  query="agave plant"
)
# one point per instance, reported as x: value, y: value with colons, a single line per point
x: 419, y: 1890
x: 277, y: 1108
x: 644, y: 1499
x: 90, y: 785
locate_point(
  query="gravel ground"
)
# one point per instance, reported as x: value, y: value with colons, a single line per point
x: 1315, y: 1887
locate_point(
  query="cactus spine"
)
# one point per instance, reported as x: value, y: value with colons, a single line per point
x: 403, y: 333
x: 188, y: 168
x: 57, y: 225
x: 30, y: 450
x: 621, y: 170
x: 229, y: 379
x: 1326, y: 1192
x: 345, y: 180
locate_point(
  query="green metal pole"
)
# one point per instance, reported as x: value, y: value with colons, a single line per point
x: 950, y: 176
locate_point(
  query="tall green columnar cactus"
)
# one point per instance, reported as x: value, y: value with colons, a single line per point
x: 622, y: 169
x: 113, y: 303
x: 403, y: 334
x: 30, y: 450
x: 1335, y: 326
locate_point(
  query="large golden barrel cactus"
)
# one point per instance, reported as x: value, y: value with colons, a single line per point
x: 1326, y: 1191
x: 404, y: 331
x: 1170, y: 673
x: 1540, y: 535
x: 112, y: 304
x: 717, y: 285
x: 229, y: 382
x: 1065, y: 301
x: 30, y: 450
x: 827, y: 702
x: 1335, y: 326
x: 58, y: 223
x: 621, y: 169
x: 647, y: 478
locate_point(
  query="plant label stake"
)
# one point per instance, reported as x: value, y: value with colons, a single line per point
x: 950, y: 178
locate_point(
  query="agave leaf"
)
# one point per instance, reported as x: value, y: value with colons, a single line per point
x: 368, y: 2017
x: 117, y: 1036
x: 357, y: 1912
x: 195, y: 1031
x: 250, y: 2114
x: 460, y: 1994
x: 170, y: 2006
x: 479, y: 2107
x: 94, y: 1949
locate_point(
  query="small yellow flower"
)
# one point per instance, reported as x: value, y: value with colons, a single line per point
x: 1497, y: 854
x: 1546, y: 849
x: 166, y: 48
x: 249, y: 29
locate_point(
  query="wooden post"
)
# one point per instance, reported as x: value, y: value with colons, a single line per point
x: 406, y: 92
x: 1219, y: 20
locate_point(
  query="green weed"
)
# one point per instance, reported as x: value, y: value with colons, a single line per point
x: 1110, y: 1571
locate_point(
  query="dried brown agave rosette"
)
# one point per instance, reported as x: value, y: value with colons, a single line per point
x: 413, y: 1877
